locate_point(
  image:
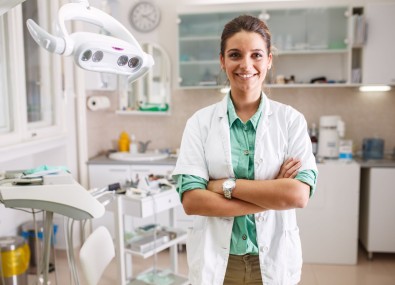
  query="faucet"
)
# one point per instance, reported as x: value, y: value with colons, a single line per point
x: 143, y: 146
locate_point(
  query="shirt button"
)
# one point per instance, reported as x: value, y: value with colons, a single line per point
x: 246, y: 152
x: 259, y: 219
x: 244, y: 237
x: 264, y: 248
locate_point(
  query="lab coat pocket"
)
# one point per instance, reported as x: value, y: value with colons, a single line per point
x: 293, y: 253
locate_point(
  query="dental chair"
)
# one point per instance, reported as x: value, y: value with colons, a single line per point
x: 96, y: 254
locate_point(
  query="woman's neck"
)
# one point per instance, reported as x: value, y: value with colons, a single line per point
x: 245, y: 104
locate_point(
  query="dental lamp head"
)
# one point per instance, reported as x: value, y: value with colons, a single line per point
x: 117, y: 53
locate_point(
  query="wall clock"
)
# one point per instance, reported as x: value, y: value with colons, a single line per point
x: 144, y: 16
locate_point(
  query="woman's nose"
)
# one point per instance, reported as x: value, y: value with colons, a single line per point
x: 245, y: 63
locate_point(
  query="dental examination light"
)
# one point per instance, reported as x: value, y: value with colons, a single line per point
x: 117, y: 53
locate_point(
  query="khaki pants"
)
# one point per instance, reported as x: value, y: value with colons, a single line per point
x: 243, y: 269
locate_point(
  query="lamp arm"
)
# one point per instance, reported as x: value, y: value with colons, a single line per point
x: 83, y: 12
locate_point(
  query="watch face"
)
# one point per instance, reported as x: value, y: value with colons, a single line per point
x: 228, y: 184
x: 145, y: 16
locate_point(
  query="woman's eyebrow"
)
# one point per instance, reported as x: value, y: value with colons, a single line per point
x: 253, y: 50
x: 232, y: 50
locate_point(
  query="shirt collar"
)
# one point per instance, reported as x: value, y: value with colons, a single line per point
x: 232, y: 115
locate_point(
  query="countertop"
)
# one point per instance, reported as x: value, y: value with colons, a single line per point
x: 385, y: 163
x: 104, y: 160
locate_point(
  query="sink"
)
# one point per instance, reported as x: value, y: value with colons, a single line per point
x: 147, y: 156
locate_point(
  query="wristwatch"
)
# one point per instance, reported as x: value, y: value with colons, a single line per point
x: 228, y: 186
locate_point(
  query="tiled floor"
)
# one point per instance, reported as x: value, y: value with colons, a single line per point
x: 379, y: 271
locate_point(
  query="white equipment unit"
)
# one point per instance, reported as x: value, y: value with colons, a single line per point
x: 52, y: 193
x: 331, y: 130
x: 70, y: 200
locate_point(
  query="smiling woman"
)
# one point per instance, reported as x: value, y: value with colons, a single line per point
x: 245, y: 164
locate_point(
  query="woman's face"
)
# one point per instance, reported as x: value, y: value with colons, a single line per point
x: 246, y: 62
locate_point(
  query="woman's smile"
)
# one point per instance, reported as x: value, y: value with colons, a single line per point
x: 245, y: 76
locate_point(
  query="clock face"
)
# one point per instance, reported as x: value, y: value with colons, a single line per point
x: 145, y: 16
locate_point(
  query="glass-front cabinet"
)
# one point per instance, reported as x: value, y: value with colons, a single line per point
x: 199, y: 47
x: 309, y: 45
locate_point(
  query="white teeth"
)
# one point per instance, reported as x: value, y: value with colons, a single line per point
x: 246, y: 75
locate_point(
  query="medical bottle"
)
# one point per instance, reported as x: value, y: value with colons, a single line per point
x: 314, y: 138
x: 133, y: 144
x: 123, y: 142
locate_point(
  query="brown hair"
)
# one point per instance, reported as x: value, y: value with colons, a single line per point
x: 245, y: 23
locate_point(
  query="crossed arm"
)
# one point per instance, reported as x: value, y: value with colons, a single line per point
x: 250, y: 196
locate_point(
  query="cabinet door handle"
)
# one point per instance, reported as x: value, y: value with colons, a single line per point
x: 117, y: 170
x: 142, y: 170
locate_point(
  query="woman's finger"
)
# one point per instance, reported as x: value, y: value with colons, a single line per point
x: 294, y: 168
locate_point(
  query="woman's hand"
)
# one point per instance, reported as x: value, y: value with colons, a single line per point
x: 289, y: 169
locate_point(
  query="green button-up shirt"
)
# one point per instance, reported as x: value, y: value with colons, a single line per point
x: 242, y: 141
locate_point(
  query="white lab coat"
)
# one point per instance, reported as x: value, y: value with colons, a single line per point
x: 205, y: 151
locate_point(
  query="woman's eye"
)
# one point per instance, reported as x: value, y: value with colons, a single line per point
x: 257, y: 55
x: 234, y: 55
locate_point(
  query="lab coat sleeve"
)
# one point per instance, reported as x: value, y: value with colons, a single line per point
x: 299, y: 143
x: 191, y: 159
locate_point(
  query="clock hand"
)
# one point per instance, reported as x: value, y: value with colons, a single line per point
x: 149, y: 18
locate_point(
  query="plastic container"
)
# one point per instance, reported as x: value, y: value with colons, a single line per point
x: 372, y: 148
x: 133, y: 147
x: 15, y: 256
x: 29, y: 235
x: 123, y: 142
x: 345, y: 150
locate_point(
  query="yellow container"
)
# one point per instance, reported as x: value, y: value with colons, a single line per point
x: 123, y: 142
x: 15, y: 257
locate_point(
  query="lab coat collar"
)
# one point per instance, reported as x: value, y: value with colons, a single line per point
x: 223, y: 106
x: 232, y: 115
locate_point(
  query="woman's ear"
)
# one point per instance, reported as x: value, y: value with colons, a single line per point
x: 270, y: 61
x: 222, y: 61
